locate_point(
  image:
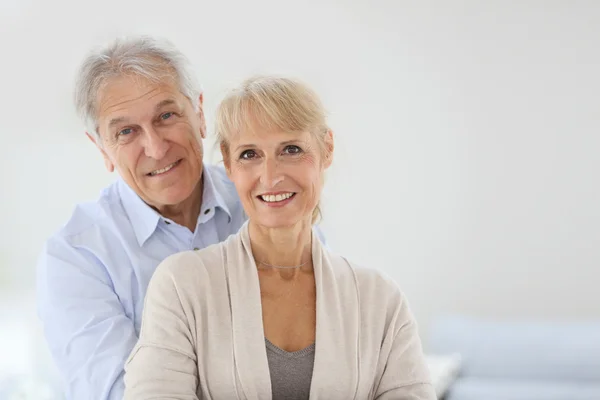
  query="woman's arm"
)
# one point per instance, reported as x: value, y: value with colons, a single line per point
x: 163, y: 363
x: 406, y: 374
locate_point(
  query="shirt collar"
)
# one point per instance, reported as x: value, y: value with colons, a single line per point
x: 211, y: 196
x: 144, y: 219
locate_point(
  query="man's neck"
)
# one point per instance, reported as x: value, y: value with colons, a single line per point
x: 186, y: 213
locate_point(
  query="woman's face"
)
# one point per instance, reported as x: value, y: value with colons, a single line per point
x: 278, y: 175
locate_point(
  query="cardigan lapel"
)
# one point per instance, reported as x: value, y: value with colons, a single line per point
x: 250, y: 355
x: 336, y: 368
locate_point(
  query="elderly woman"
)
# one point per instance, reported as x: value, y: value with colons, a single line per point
x: 270, y: 313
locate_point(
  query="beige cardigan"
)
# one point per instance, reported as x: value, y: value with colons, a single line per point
x: 202, y: 335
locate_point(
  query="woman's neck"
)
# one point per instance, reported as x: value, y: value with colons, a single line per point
x: 283, y: 247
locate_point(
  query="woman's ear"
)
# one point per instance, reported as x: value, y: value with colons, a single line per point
x: 201, y: 116
x: 226, y: 158
x: 329, y: 146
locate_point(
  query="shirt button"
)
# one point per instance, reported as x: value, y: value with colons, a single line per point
x: 206, y: 211
x: 196, y: 248
x: 167, y: 222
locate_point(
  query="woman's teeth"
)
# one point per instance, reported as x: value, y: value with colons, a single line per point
x: 271, y: 198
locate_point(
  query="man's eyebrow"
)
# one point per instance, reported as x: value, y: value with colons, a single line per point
x: 166, y: 102
x: 118, y: 120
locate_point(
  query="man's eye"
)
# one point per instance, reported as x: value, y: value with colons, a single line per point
x: 166, y: 115
x: 291, y: 149
x: 248, y: 155
x: 125, y: 131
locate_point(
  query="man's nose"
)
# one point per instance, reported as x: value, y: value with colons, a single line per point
x: 155, y: 145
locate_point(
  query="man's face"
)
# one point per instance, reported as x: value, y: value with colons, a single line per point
x: 152, y: 135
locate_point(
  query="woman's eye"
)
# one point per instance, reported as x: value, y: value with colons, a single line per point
x: 125, y: 131
x: 166, y: 115
x: 292, y: 150
x: 248, y: 155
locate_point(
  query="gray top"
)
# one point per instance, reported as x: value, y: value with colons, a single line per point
x: 291, y: 373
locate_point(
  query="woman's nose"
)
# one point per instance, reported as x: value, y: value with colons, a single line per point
x: 271, y: 175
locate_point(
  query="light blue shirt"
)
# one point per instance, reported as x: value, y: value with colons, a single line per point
x: 93, y: 275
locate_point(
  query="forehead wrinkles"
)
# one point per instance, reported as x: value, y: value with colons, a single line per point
x: 111, y: 103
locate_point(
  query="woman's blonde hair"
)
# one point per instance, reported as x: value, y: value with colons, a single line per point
x: 271, y: 103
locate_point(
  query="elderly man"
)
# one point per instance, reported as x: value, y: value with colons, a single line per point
x: 143, y: 111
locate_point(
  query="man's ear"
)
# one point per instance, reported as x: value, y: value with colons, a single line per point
x: 107, y: 162
x: 329, y: 146
x: 201, y: 116
x: 226, y: 158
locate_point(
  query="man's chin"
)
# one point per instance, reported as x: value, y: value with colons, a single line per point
x: 172, y: 196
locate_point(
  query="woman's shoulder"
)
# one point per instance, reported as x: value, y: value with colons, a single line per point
x: 367, y: 279
x: 375, y: 288
x: 193, y: 268
x: 382, y: 300
x: 189, y: 261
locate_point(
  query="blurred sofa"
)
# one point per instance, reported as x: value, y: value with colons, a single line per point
x: 520, y: 359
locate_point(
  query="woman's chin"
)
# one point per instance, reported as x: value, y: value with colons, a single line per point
x: 277, y: 223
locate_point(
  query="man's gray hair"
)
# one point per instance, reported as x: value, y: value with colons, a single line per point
x: 142, y: 56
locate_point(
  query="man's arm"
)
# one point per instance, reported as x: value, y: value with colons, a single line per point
x: 87, y: 331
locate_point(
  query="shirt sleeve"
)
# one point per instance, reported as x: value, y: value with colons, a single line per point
x: 163, y: 364
x: 406, y: 375
x: 84, y: 323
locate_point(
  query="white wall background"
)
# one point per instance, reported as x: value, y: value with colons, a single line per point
x: 467, y: 133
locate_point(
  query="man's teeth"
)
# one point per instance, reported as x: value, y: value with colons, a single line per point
x: 269, y: 198
x: 163, y: 170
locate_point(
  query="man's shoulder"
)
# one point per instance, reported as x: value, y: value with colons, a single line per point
x: 92, y: 216
x: 89, y: 236
x: 226, y: 190
x: 217, y: 171
x: 221, y: 181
